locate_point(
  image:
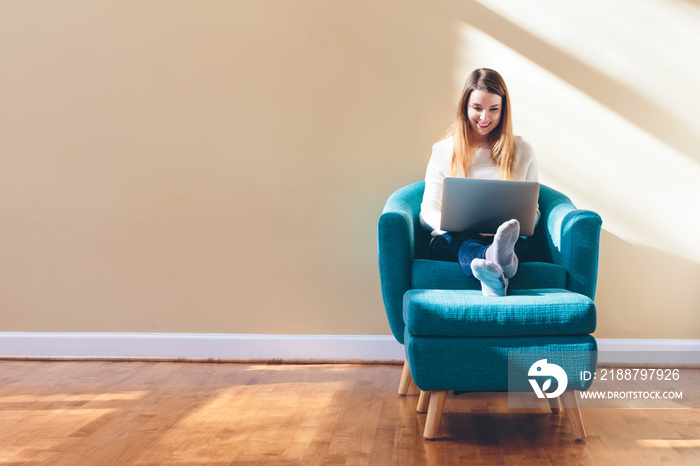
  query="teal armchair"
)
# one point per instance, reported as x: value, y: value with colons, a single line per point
x: 457, y: 339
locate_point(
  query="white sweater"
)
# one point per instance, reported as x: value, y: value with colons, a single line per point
x: 525, y: 169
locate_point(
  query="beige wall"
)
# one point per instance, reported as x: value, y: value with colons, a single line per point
x: 219, y: 166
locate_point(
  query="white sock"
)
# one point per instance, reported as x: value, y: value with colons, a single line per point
x: 493, y: 282
x: 502, y: 250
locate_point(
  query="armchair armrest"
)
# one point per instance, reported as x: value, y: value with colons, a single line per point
x: 572, y: 237
x: 396, y: 246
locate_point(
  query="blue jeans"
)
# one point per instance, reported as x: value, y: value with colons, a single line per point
x: 464, y: 247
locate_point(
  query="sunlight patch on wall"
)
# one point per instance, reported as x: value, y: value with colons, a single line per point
x: 645, y: 190
x: 647, y: 46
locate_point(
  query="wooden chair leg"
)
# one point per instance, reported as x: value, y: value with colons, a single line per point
x: 573, y: 414
x: 407, y: 386
x: 405, y: 379
x: 437, y: 404
x: 554, y: 405
x: 423, y: 402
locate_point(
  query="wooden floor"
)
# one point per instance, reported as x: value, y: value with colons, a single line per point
x: 114, y: 413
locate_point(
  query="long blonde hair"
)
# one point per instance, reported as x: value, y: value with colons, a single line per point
x: 500, y: 138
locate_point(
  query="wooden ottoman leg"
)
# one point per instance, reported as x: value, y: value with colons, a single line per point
x: 437, y: 404
x: 573, y: 413
x: 554, y: 405
x: 423, y: 402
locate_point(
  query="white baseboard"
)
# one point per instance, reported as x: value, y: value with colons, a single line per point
x: 615, y: 350
x: 198, y: 346
x: 630, y: 344
x: 187, y: 346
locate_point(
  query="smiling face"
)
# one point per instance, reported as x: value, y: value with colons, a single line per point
x: 483, y: 114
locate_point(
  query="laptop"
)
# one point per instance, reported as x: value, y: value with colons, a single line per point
x: 483, y: 205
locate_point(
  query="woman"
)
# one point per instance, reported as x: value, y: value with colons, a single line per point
x: 480, y: 145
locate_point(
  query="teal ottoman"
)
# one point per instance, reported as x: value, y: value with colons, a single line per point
x: 461, y: 340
